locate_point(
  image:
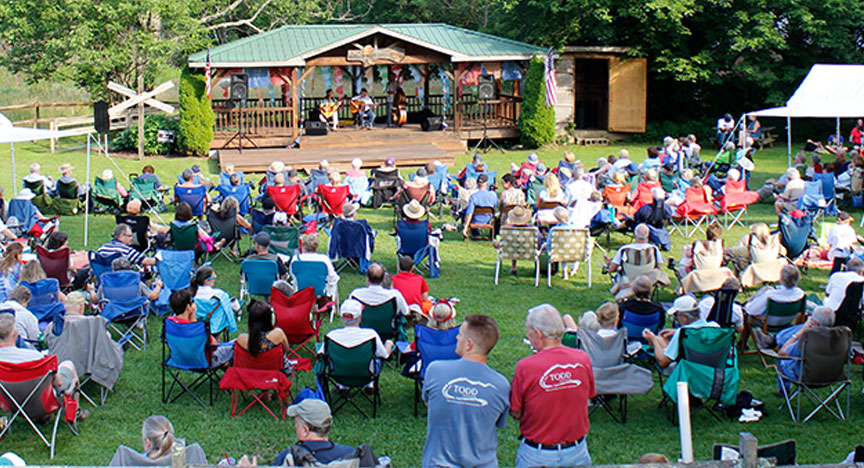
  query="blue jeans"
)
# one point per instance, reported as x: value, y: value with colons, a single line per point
x: 576, y: 455
x: 368, y: 117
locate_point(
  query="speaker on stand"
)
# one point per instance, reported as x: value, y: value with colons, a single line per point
x: 239, y: 93
x: 432, y: 123
x: 487, y: 90
x: 100, y: 117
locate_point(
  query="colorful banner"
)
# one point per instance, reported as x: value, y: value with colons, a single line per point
x: 258, y: 77
x: 418, y: 90
x: 370, y: 80
x: 326, y: 73
x: 337, y: 82
x: 511, y: 71
x: 445, y: 88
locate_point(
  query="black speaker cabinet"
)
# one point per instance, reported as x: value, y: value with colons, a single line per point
x: 100, y: 117
x: 431, y: 124
x: 486, y: 88
x: 316, y: 127
x: 239, y: 87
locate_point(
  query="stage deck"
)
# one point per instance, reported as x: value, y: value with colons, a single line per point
x: 408, y: 145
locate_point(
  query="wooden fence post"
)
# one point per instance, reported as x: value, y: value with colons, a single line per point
x: 747, y: 445
x: 53, y: 126
x: 36, y: 107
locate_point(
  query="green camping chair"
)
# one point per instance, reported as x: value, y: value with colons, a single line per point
x: 144, y: 189
x: 778, y: 315
x: 105, y: 195
x: 350, y: 369
x: 184, y: 237
x: 534, y: 188
x: 384, y: 319
x: 708, y: 363
x: 284, y: 240
x: 67, y: 201
x: 41, y: 200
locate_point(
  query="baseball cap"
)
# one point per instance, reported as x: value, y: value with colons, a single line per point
x: 482, y: 179
x: 532, y: 157
x: 262, y: 239
x: 390, y: 162
x: 683, y: 304
x: 312, y: 410
x: 351, y: 309
x: 196, y: 168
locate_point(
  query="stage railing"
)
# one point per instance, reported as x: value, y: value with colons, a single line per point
x: 255, y: 120
x: 502, y: 112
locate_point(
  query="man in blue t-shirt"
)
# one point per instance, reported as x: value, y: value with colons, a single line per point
x: 467, y: 401
x: 312, y: 422
x: 483, y: 198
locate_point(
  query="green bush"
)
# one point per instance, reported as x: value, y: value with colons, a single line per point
x: 537, y: 122
x: 196, y: 115
x: 128, y: 139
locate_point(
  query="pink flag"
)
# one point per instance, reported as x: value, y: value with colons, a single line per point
x: 337, y: 81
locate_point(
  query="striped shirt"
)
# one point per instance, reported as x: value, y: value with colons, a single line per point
x: 115, y: 246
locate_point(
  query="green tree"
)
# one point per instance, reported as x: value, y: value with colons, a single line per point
x: 536, y: 122
x: 196, y: 115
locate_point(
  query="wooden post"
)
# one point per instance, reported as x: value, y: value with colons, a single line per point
x: 295, y: 131
x: 53, y: 142
x: 36, y: 107
x: 425, y: 75
x: 747, y: 445
x: 140, y: 116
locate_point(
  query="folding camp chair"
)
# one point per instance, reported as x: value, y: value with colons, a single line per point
x: 124, y: 308
x: 256, y: 277
x: 472, y: 173
x: 313, y: 274
x: 635, y: 324
x: 241, y: 192
x: 186, y: 347
x: 849, y: 312
x: 42, y: 200
x: 287, y: 199
x: 519, y: 243
x: 351, y: 244
x: 359, y: 189
x: 482, y: 210
x: 301, y: 322
x: 796, y: 235
x: 194, y: 196
x: 330, y: 199
x: 813, y: 201
x: 733, y: 205
x: 219, y: 317
x: 412, y: 238
x: 432, y: 345
x: 225, y: 178
x: 284, y: 240
x: 225, y: 229
x: 350, y: 368
x: 184, y: 237
x: 317, y: 177
x: 67, y: 201
x: 824, y: 363
x: 28, y: 391
x: 105, y: 195
x: 695, y: 211
x: 613, y: 376
x: 100, y: 264
x: 144, y: 189
x: 23, y: 221
x: 45, y: 299
x: 828, y: 192
x: 384, y: 319
x: 260, y: 219
x: 616, y: 196
x: 721, y: 311
x: 708, y: 363
x: 423, y: 195
x: 55, y: 263
x: 440, y: 182
x: 384, y: 186
x: 569, y: 245
x: 260, y: 373
x: 174, y: 267
x: 140, y: 226
x: 778, y: 315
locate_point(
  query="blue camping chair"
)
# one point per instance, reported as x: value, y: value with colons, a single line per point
x: 316, y: 177
x: 312, y: 274
x: 24, y: 214
x: 828, y: 193
x: 432, y: 345
x: 196, y: 179
x: 360, y: 189
x: 174, y: 268
x: 795, y: 235
x: 123, y: 308
x: 225, y: 178
x: 259, y: 220
x: 256, y: 277
x: 241, y: 192
x: 813, y: 201
x: 636, y: 323
x: 412, y: 239
x: 45, y: 299
x: 219, y: 318
x: 186, y: 348
x: 440, y: 182
x: 194, y: 196
x: 351, y: 244
x: 100, y: 264
x: 471, y: 173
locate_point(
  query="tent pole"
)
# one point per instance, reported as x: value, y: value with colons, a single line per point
x: 788, y: 141
x: 14, y: 179
x: 87, y: 196
x: 837, y: 138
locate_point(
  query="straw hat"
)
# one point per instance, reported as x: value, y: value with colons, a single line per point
x: 277, y: 166
x: 414, y: 210
x: 66, y: 167
x: 519, y: 215
x: 25, y: 194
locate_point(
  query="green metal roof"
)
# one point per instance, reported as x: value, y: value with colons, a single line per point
x: 292, y: 45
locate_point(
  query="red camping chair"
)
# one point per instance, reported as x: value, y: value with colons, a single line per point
x: 27, y: 390
x: 55, y: 263
x: 644, y: 195
x: 297, y: 317
x: 696, y: 209
x: 262, y: 373
x: 735, y: 201
x: 286, y: 198
x: 331, y: 199
x: 617, y: 197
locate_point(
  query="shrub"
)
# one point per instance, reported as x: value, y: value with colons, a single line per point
x: 128, y: 139
x: 536, y: 122
x: 196, y: 115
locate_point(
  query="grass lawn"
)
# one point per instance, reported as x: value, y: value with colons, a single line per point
x: 467, y: 272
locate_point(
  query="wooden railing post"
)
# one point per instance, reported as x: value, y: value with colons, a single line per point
x: 36, y: 107
x: 747, y: 445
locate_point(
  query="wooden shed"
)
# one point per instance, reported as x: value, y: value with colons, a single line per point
x: 601, y: 88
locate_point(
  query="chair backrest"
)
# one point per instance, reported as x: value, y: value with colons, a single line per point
x: 439, y: 180
x: 785, y: 312
x: 44, y: 298
x: 240, y: 192
x: 100, y: 263
x: 616, y: 195
x: 140, y: 225
x: 285, y: 197
x: 67, y: 189
x: 381, y: 318
x: 175, y: 267
x: 225, y: 178
x: 483, y: 210
x: 721, y: 311
x: 332, y: 198
x: 24, y: 211
x: 205, y: 308
x: 120, y: 285
x: 548, y: 204
x: 827, y: 180
x: 35, y: 186
x: 639, y: 261
x: 695, y: 195
x: 20, y: 379
x: 55, y: 263
x: 350, y: 366
x: 309, y: 274
x: 710, y: 346
x: 569, y: 245
x: 635, y: 324
x: 294, y: 314
x: 421, y: 194
x: 813, y: 191
x: 737, y: 186
x: 795, y: 233
x: 260, y: 219
x: 283, y: 239
x: 184, y: 237
x: 260, y: 275
x: 349, y: 238
x: 267, y: 360
x: 144, y: 188
x: 849, y: 312
x: 644, y: 195
x: 435, y: 345
x: 605, y: 351
x: 412, y: 236
x: 518, y: 243
x: 226, y: 228
x: 187, y: 344
x: 194, y: 196
x: 317, y: 177
x: 825, y: 351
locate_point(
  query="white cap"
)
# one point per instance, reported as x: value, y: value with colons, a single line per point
x: 683, y: 304
x: 351, y: 309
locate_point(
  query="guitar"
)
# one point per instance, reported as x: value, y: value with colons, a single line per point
x: 358, y: 106
x: 327, y: 110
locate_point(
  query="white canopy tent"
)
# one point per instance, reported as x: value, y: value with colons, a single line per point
x: 828, y: 91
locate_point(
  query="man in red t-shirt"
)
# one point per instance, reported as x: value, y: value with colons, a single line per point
x: 412, y: 286
x: 555, y: 380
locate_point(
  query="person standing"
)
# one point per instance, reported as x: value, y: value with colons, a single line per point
x: 467, y: 400
x: 391, y: 94
x: 555, y: 378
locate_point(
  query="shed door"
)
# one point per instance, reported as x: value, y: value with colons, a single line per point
x: 627, y: 94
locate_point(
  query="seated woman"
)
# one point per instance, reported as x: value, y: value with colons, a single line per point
x: 788, y: 200
x: 701, y: 265
x: 463, y: 197
x: 123, y: 264
x: 640, y: 302
x: 759, y: 256
x: 264, y: 335
x: 359, y: 182
x: 184, y: 308
x: 552, y: 194
x: 10, y: 269
x: 157, y: 436
x: 33, y: 272
x: 221, y: 314
x: 604, y: 321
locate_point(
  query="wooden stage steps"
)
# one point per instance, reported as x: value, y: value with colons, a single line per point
x: 408, y: 145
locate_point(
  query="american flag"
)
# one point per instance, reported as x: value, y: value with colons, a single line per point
x: 209, y: 86
x: 551, y: 84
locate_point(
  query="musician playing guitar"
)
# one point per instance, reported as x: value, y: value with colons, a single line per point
x: 363, y: 105
x: 330, y: 110
x: 400, y: 113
